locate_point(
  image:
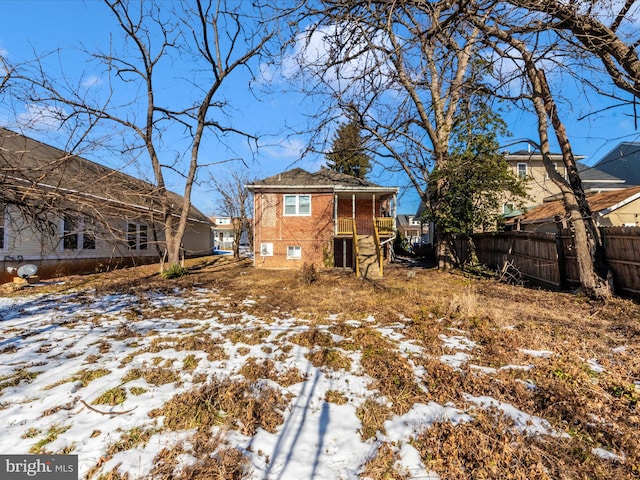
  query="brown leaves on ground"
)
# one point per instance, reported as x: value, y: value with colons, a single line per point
x: 587, y: 388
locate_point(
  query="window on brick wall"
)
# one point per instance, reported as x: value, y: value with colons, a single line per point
x: 294, y: 252
x: 266, y: 249
x: 297, y: 205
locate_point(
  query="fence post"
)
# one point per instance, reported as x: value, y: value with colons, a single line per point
x: 562, y: 271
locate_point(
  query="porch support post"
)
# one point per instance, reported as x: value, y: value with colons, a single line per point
x: 353, y: 206
x: 394, y: 213
x: 335, y: 214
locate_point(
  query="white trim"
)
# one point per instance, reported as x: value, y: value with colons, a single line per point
x: 620, y: 204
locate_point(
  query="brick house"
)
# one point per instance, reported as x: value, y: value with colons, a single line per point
x: 325, y: 218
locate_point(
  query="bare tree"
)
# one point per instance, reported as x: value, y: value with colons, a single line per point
x: 235, y: 204
x: 521, y: 37
x: 402, y: 69
x: 219, y: 40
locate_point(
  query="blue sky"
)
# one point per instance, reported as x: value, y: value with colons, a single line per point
x: 28, y: 26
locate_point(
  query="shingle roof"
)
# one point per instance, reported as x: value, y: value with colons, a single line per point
x: 623, y: 162
x: 325, y: 178
x: 598, y: 202
x: 594, y: 174
x: 26, y: 163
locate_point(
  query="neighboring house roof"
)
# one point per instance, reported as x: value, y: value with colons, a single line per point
x: 404, y: 221
x: 525, y: 155
x: 595, y: 179
x: 623, y: 162
x: 602, y: 203
x: 26, y: 163
x: 325, y: 179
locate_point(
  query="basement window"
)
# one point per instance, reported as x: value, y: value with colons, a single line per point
x: 266, y: 249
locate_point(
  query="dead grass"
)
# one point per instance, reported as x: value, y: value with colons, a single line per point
x: 235, y: 403
x: 594, y: 409
x: 383, y: 465
x: 194, y: 342
x: 153, y: 375
x: 214, y: 460
x: 254, y: 370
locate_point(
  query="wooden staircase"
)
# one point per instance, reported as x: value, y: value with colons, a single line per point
x: 368, y: 257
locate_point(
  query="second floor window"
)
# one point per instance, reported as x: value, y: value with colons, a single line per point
x: 297, y: 205
x: 522, y: 170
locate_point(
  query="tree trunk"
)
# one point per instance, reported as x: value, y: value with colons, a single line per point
x: 594, y: 275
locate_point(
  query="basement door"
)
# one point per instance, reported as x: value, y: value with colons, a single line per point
x: 343, y: 253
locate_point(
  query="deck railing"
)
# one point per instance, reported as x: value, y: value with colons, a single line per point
x: 384, y: 226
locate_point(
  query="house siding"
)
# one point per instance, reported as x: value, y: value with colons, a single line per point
x: 313, y: 233
x: 27, y: 244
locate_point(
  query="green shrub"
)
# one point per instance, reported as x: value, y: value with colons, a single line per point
x: 174, y: 271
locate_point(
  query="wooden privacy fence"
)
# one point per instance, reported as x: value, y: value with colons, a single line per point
x: 550, y: 259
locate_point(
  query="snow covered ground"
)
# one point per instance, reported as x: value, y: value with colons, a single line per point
x: 61, y: 352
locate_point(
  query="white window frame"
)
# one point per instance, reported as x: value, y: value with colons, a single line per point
x: 80, y: 235
x: 266, y: 249
x: 526, y: 170
x: 133, y: 238
x: 296, y: 206
x: 294, y: 252
x: 555, y: 167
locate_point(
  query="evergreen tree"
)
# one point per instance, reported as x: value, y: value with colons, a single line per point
x: 348, y: 154
x: 476, y: 179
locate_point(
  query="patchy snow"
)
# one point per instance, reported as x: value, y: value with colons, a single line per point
x: 537, y: 353
x: 607, y: 455
x: 595, y: 366
x: 457, y: 342
x: 48, y: 341
x: 524, y: 423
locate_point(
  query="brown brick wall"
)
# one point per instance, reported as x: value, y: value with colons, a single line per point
x: 314, y: 234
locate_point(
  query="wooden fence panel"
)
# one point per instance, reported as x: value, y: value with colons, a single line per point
x: 535, y: 255
x: 551, y: 259
x: 622, y: 248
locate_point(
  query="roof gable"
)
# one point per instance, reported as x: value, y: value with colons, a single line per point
x: 323, y: 179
